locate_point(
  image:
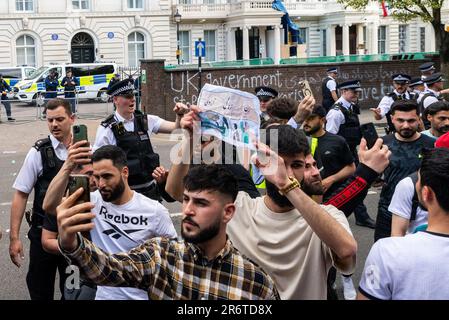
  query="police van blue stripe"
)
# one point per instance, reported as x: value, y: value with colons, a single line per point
x: 99, y: 79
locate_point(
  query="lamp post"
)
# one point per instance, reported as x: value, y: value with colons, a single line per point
x: 177, y: 17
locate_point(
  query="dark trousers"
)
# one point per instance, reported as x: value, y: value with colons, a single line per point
x: 360, y: 211
x: 72, y: 101
x: 383, y: 223
x: 7, y: 105
x: 42, y: 269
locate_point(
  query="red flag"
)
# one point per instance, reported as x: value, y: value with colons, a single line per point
x: 384, y: 9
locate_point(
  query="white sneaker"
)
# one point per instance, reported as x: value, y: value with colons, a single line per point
x: 348, y: 288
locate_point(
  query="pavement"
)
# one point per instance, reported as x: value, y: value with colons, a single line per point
x: 17, y: 138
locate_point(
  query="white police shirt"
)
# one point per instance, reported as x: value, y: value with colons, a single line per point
x: 429, y: 100
x: 387, y: 101
x: 105, y: 136
x: 32, y: 166
x: 332, y: 84
x: 414, y: 267
x: 120, y: 228
x: 401, y: 204
x: 335, y: 118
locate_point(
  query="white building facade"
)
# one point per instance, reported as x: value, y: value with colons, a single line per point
x: 40, y: 32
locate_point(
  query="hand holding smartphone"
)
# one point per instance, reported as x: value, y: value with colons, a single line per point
x: 80, y: 134
x: 369, y: 133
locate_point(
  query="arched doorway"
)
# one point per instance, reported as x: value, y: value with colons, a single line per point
x: 83, y: 48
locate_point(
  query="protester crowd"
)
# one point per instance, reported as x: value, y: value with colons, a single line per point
x: 270, y: 224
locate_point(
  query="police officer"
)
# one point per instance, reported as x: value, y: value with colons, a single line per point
x: 130, y: 130
x: 432, y: 94
x: 329, y: 88
x: 343, y: 119
x: 51, y: 85
x: 400, y: 84
x: 70, y: 83
x: 427, y: 69
x: 416, y: 86
x: 41, y: 165
x: 265, y: 95
x: 4, y: 89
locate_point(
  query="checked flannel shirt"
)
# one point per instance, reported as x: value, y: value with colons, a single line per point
x: 172, y: 269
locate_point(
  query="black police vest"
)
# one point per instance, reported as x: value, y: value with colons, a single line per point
x: 350, y: 130
x: 140, y: 156
x: 327, y: 94
x: 422, y: 110
x: 51, y: 165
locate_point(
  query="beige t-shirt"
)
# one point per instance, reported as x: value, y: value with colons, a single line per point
x: 285, y: 246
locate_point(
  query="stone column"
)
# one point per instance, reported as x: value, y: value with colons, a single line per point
x: 277, y: 44
x: 345, y: 39
x: 245, y: 43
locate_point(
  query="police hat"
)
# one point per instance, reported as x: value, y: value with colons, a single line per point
x: 319, y: 111
x: 427, y: 66
x: 121, y: 88
x: 434, y: 78
x: 416, y: 82
x: 401, y: 78
x: 332, y: 70
x: 266, y: 92
x: 353, y: 84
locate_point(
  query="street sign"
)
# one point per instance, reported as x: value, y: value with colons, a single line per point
x: 200, y: 48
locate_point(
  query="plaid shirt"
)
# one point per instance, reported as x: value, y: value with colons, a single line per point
x: 172, y: 269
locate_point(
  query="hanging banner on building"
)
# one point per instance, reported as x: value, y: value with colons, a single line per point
x: 231, y: 115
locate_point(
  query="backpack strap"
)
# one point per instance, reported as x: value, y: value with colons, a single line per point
x: 415, y: 200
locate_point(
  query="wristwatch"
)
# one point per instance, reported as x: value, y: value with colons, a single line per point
x: 292, y: 185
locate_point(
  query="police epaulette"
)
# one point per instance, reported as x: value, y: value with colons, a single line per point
x: 39, y: 144
x: 108, y: 121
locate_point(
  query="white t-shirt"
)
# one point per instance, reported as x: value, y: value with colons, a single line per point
x: 430, y: 99
x: 32, y: 166
x: 414, y: 267
x: 285, y: 246
x: 105, y: 136
x: 122, y: 228
x: 401, y: 204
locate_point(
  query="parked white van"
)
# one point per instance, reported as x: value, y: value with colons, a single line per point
x: 13, y: 75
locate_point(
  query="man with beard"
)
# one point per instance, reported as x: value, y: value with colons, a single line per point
x: 124, y: 218
x: 432, y: 94
x: 414, y: 267
x: 255, y: 219
x: 41, y: 165
x: 438, y: 116
x: 203, y: 266
x: 406, y: 145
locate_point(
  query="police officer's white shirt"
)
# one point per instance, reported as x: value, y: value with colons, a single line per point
x: 414, y: 267
x: 401, y: 204
x: 32, y: 166
x: 429, y: 100
x: 335, y: 118
x: 120, y: 228
x: 105, y: 136
x: 386, y: 102
x: 332, y: 84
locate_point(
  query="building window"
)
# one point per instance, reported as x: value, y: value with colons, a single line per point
x: 136, y: 48
x: 24, y: 5
x: 304, y: 35
x: 324, y: 42
x: 80, y: 4
x: 209, y: 38
x: 365, y: 37
x: 135, y: 4
x: 26, y: 51
x: 184, y: 44
x: 422, y: 39
x: 382, y: 39
x: 403, y: 38
x: 185, y: 1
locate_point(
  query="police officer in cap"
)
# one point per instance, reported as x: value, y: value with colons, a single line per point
x: 329, y: 88
x: 130, y: 130
x: 416, y: 86
x: 343, y: 119
x: 427, y: 69
x: 265, y: 95
x: 400, y: 84
x: 431, y: 95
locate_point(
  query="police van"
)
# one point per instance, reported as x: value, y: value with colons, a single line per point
x: 13, y: 75
x: 93, y: 79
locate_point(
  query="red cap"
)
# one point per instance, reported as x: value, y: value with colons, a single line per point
x: 443, y: 141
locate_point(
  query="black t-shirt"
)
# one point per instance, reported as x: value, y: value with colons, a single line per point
x: 332, y: 154
x: 50, y: 223
x: 405, y: 159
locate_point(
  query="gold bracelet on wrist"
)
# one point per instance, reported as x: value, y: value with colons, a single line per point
x: 292, y: 185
